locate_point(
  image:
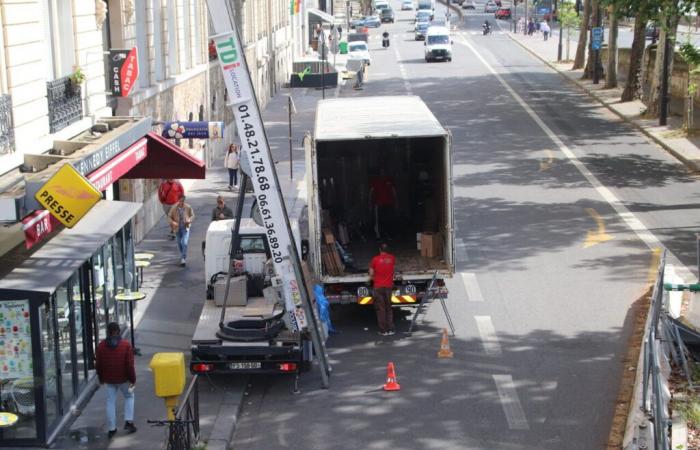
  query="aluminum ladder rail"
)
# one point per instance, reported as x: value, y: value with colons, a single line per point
x: 426, y: 302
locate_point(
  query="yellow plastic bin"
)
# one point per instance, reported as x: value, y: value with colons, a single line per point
x: 168, y: 374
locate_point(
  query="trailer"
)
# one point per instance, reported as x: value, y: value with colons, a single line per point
x: 363, y: 145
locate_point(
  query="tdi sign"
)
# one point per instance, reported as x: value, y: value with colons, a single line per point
x: 68, y: 196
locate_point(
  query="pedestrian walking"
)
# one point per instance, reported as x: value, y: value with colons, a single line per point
x: 537, y: 26
x: 221, y: 211
x: 544, y: 27
x: 530, y: 27
x: 383, y: 201
x: 521, y: 25
x: 181, y: 218
x: 169, y: 192
x: 381, y: 272
x: 340, y: 33
x: 231, y: 161
x: 114, y: 362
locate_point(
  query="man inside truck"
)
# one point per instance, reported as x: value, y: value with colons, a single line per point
x: 382, y: 197
x: 381, y: 272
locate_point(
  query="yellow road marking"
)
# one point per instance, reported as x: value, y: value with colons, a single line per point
x: 599, y: 236
x: 546, y: 165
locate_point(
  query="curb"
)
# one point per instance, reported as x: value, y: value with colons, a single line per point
x: 221, y: 435
x: 690, y: 164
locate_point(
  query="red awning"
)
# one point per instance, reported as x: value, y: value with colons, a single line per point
x: 166, y: 160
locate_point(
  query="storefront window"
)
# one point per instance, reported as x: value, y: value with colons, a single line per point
x: 64, y: 371
x: 48, y: 351
x: 99, y: 274
x: 125, y: 274
x: 110, y: 280
x: 16, y: 371
x: 79, y: 329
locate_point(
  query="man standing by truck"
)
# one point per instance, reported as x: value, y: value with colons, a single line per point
x: 382, y: 195
x: 381, y: 272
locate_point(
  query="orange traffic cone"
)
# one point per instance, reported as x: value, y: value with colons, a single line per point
x: 445, y: 351
x: 391, y: 384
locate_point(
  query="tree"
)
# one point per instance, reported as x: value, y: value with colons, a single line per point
x: 590, y: 62
x: 691, y: 55
x: 580, y: 58
x: 633, y: 81
x: 670, y: 13
x: 611, y: 69
x: 568, y: 19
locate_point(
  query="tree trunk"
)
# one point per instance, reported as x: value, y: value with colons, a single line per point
x: 580, y: 58
x: 590, y: 61
x: 632, y: 83
x: 653, y: 107
x: 611, y: 70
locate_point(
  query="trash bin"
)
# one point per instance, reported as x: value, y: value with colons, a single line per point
x: 343, y: 47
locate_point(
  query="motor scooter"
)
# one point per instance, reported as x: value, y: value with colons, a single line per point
x: 385, y: 40
x: 487, y: 29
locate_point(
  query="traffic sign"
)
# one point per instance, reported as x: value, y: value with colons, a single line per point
x: 596, y: 38
x: 68, y: 195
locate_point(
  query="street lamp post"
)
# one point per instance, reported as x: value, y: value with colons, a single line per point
x: 663, y: 98
x: 561, y: 33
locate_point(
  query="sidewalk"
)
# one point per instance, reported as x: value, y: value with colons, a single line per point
x: 166, y: 320
x: 670, y: 137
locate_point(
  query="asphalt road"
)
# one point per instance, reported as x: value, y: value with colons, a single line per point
x: 558, y: 207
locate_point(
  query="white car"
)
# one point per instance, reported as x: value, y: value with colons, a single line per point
x: 359, y: 50
x: 407, y: 5
x: 438, y: 44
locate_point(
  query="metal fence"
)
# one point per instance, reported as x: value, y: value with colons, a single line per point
x: 65, y: 103
x: 655, y: 395
x: 183, y: 431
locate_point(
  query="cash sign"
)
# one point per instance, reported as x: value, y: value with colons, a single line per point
x: 68, y: 196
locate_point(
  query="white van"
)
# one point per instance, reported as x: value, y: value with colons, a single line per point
x: 438, y: 44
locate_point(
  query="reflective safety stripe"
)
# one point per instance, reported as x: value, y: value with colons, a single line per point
x: 395, y: 299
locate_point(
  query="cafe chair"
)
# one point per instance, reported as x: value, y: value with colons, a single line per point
x: 22, y: 392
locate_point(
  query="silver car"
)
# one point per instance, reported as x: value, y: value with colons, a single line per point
x: 490, y: 7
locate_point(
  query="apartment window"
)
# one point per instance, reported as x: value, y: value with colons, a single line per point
x: 187, y: 33
x: 172, y: 38
x: 158, y: 58
x: 58, y: 33
x: 142, y: 42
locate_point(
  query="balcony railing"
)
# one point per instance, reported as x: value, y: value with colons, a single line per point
x: 7, y: 131
x: 65, y: 103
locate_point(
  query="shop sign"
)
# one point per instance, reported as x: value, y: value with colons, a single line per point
x: 193, y: 130
x: 37, y: 226
x: 123, y: 70
x: 119, y: 166
x: 15, y: 340
x: 68, y: 195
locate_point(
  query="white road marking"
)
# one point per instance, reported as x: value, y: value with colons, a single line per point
x: 632, y: 222
x: 472, y: 287
x: 402, y: 69
x: 488, y: 335
x: 510, y: 402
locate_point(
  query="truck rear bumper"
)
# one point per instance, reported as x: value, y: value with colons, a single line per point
x: 408, y: 293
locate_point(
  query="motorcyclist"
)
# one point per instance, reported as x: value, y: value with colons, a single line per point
x: 385, y: 39
x: 486, y: 26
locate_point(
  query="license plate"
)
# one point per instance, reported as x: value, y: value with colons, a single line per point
x: 244, y: 365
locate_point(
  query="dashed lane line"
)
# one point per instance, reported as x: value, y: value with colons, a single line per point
x: 402, y: 69
x: 472, y: 287
x: 510, y: 402
x: 488, y: 335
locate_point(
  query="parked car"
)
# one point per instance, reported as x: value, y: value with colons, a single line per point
x: 407, y: 5
x: 372, y: 22
x: 359, y: 50
x: 468, y: 4
x: 387, y: 15
x: 490, y: 7
x: 421, y: 30
x: 502, y: 13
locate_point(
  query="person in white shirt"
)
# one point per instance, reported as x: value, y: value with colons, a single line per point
x: 231, y: 162
x: 544, y: 28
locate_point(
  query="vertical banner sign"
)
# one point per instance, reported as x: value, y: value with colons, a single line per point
x: 596, y: 38
x: 255, y: 146
x: 123, y: 70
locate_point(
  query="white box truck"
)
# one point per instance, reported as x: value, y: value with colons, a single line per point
x: 379, y: 169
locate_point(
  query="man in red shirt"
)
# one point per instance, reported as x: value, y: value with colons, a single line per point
x: 169, y: 192
x: 114, y: 362
x: 382, y: 196
x: 381, y: 271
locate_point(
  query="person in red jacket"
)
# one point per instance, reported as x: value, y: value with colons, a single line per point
x: 169, y: 192
x: 381, y: 271
x: 114, y: 362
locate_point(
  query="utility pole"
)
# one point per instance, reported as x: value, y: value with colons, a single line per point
x: 663, y: 98
x: 561, y: 33
x: 596, y: 62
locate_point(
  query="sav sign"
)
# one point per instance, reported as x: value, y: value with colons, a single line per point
x: 123, y: 70
x: 68, y: 196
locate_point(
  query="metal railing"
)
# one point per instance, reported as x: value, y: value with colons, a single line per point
x: 7, y: 131
x: 655, y: 396
x: 183, y: 431
x: 65, y: 103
